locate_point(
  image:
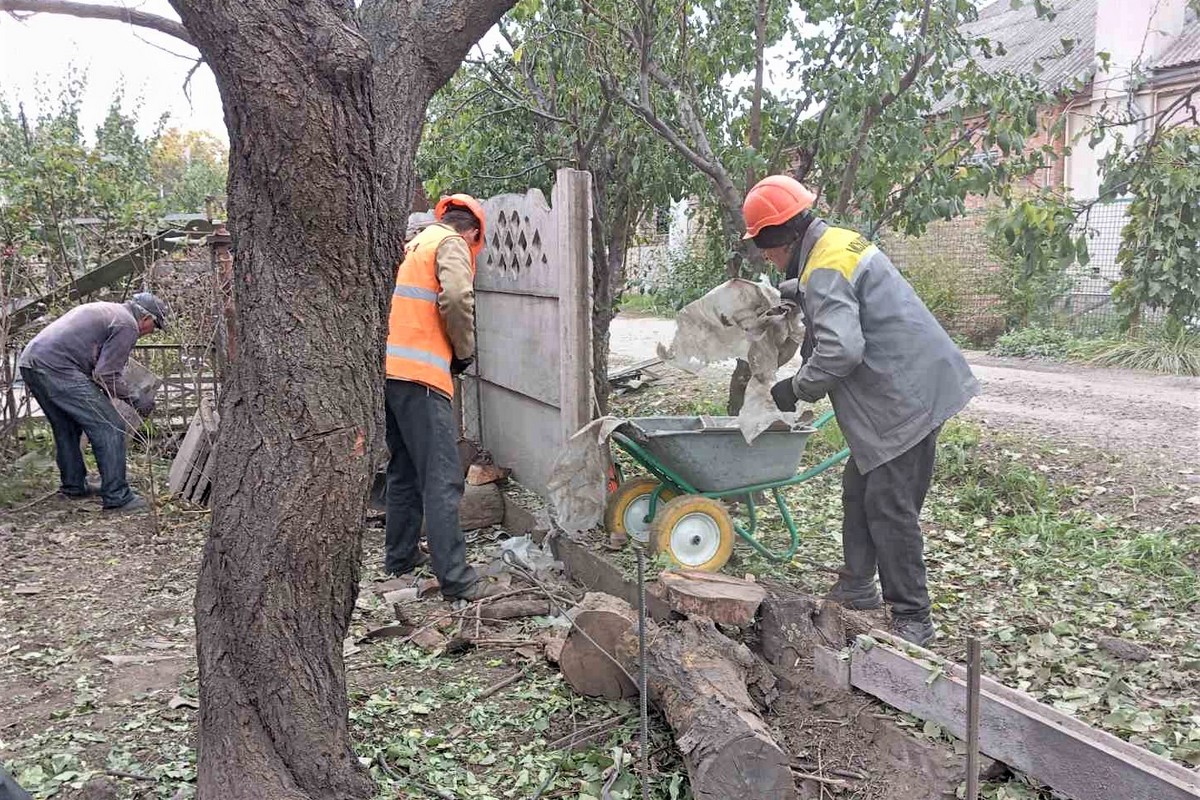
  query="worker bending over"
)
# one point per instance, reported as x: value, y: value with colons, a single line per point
x: 72, y: 368
x: 431, y: 338
x: 893, y: 376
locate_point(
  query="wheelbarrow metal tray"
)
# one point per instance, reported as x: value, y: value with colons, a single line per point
x: 711, y: 454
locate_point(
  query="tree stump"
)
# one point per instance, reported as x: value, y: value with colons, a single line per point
x: 588, y: 670
x: 697, y: 677
x: 481, y: 507
x: 721, y: 598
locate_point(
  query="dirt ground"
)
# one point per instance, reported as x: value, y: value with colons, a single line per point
x: 1155, y: 418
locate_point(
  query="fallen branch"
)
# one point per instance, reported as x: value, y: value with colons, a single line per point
x: 818, y: 778
x: 133, y: 776
x: 500, y: 685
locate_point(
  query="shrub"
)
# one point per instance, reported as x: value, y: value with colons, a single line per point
x: 1173, y: 353
x: 1036, y: 343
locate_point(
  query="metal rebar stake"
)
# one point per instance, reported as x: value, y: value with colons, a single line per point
x: 973, y: 669
x: 644, y: 747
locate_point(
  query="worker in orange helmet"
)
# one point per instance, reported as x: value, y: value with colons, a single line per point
x: 431, y: 339
x: 893, y: 376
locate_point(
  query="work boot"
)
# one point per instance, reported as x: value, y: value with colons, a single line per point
x: 89, y: 490
x: 484, y: 587
x: 864, y: 599
x: 136, y: 504
x: 919, y: 632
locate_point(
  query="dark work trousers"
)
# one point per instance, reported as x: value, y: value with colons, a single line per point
x: 75, y: 405
x: 880, y: 528
x: 9, y: 790
x: 424, y: 480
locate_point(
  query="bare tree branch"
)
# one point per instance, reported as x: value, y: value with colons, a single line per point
x: 130, y: 16
x: 846, y: 190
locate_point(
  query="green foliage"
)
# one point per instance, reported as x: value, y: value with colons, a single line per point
x: 70, y: 203
x: 1167, y: 350
x: 1036, y: 342
x: 1035, y: 241
x: 1160, y: 245
x: 939, y: 280
x: 1173, y: 351
x: 690, y: 277
x: 647, y: 304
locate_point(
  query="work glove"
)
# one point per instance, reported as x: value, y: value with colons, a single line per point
x: 784, y: 395
x: 459, y: 365
x: 144, y: 407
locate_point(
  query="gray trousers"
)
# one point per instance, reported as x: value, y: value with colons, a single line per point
x: 424, y: 482
x: 881, y: 529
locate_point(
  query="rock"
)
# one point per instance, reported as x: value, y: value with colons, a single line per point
x: 100, y: 789
x: 430, y: 639
x: 721, y: 598
x: 1124, y: 649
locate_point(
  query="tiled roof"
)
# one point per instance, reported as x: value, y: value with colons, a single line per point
x: 1184, y: 50
x: 1028, y: 39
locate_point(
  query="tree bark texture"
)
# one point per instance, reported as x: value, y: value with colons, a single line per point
x: 697, y: 677
x: 320, y: 182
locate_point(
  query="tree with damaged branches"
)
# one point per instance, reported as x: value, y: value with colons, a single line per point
x: 852, y: 98
x: 324, y: 102
x: 534, y: 103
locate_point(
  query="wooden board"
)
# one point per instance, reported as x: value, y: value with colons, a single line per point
x: 181, y: 467
x: 1066, y: 754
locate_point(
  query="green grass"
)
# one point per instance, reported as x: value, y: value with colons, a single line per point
x: 1154, y: 351
x: 1159, y: 351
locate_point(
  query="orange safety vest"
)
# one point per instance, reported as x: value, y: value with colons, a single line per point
x: 418, y: 347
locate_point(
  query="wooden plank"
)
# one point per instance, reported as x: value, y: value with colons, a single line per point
x: 1068, y: 755
x: 199, y: 492
x: 181, y: 467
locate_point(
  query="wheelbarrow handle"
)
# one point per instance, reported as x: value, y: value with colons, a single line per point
x: 823, y: 420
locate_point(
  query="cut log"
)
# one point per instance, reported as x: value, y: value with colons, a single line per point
x: 482, y: 507
x: 514, y: 609
x: 697, y: 677
x: 721, y: 598
x: 589, y: 664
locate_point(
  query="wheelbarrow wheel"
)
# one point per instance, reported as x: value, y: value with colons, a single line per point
x: 627, y: 507
x: 695, y: 532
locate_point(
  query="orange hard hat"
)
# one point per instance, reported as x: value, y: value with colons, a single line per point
x: 464, y: 201
x: 773, y: 201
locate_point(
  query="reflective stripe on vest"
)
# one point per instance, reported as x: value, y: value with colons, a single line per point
x: 416, y: 293
x: 418, y: 348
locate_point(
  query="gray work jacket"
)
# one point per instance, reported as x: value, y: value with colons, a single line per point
x: 891, y: 371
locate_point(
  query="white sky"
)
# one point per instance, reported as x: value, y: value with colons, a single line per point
x: 36, y: 54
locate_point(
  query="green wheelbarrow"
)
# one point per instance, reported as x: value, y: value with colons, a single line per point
x: 694, y: 463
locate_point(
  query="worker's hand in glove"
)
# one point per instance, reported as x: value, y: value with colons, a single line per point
x: 145, y: 407
x: 459, y: 365
x: 784, y: 395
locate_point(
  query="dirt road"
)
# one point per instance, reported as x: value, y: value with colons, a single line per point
x: 1128, y: 413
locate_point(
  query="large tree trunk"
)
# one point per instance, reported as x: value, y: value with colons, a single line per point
x: 319, y: 191
x: 610, y: 241
x: 301, y: 408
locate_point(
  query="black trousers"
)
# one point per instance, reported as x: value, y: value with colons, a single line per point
x: 881, y: 528
x: 424, y: 482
